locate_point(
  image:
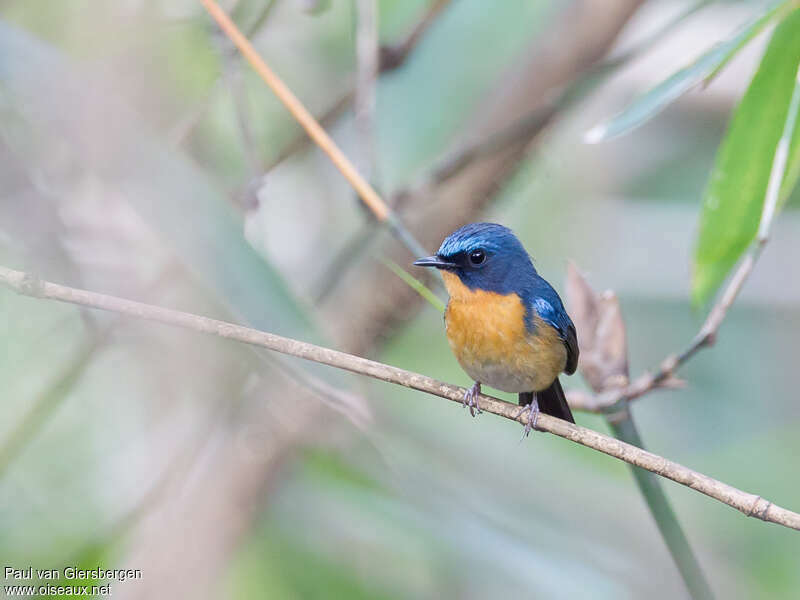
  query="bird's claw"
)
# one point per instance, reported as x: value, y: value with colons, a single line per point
x: 471, y: 399
x: 533, y: 417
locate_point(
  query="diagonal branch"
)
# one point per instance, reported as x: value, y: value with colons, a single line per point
x: 390, y: 58
x: 750, y: 504
x: 299, y: 112
x: 382, y: 212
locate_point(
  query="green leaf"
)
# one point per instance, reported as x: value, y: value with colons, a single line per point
x: 649, y: 104
x: 735, y: 196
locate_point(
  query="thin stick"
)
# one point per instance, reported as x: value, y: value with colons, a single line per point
x: 390, y: 58
x: 750, y: 504
x: 366, y: 192
x: 326, y: 119
x: 300, y: 113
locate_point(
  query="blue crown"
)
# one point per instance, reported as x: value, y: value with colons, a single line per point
x: 491, y: 237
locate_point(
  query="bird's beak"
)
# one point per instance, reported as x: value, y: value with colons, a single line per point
x: 434, y: 261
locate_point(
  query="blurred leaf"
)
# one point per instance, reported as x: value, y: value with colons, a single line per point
x: 735, y: 196
x: 64, y: 103
x: 649, y: 104
x: 415, y: 284
x: 583, y: 307
x: 313, y: 7
x: 328, y: 465
x: 49, y: 400
x: 273, y: 565
x: 93, y: 555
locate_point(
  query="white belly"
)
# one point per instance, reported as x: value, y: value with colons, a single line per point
x: 504, y: 379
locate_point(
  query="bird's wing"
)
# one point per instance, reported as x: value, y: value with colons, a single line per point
x: 549, y: 307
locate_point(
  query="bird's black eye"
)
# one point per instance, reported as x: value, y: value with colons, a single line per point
x: 477, y: 257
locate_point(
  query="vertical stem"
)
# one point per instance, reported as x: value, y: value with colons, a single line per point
x: 677, y: 544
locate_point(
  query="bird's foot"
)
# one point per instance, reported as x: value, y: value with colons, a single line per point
x: 533, y: 416
x: 471, y: 399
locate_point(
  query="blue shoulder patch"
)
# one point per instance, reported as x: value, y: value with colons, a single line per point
x: 546, y: 311
x: 546, y: 303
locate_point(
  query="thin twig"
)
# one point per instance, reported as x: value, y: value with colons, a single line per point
x: 299, y: 112
x: 366, y: 192
x: 749, y: 504
x: 181, y: 130
x: 302, y: 140
x: 248, y: 197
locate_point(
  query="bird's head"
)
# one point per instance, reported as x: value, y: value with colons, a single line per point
x: 483, y: 256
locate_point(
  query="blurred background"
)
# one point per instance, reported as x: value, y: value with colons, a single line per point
x: 142, y: 157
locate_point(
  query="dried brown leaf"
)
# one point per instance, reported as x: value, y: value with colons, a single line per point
x: 611, y: 339
x: 582, y: 307
x: 601, y: 333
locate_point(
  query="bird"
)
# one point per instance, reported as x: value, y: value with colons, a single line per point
x: 505, y: 324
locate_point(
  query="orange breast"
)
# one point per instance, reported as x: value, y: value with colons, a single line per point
x: 488, y: 336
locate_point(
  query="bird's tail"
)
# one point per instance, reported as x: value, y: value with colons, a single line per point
x: 552, y: 401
